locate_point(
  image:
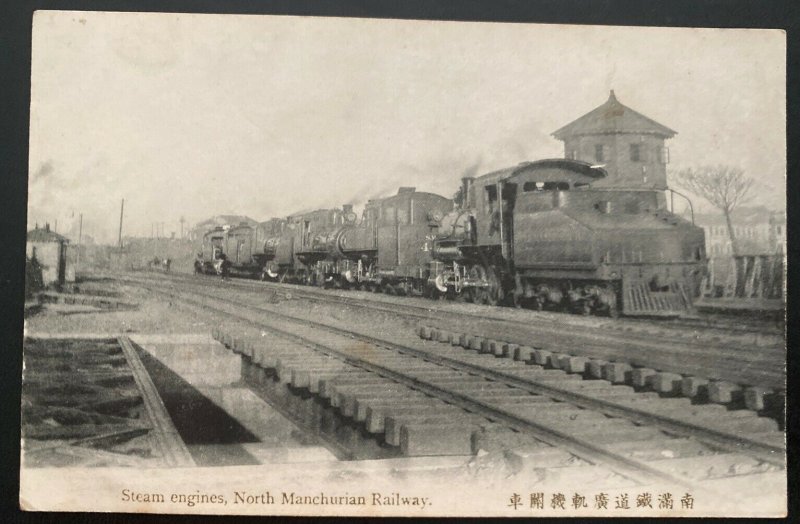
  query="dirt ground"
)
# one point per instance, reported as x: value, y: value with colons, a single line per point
x: 153, y: 314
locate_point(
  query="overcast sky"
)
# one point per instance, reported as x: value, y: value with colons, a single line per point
x: 197, y: 115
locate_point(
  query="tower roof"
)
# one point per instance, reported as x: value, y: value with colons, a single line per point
x: 44, y: 235
x: 610, y: 118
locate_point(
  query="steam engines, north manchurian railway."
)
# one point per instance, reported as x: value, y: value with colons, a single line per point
x: 556, y: 233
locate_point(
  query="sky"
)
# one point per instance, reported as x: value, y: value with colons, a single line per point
x: 191, y: 116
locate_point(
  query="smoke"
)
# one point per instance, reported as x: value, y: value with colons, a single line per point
x: 44, y: 170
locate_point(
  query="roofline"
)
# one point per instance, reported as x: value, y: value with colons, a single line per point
x: 578, y: 166
x: 561, y: 130
x: 560, y: 136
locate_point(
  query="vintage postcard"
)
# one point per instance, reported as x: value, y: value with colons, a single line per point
x: 285, y: 265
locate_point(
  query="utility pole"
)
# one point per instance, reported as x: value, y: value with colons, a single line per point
x: 80, y: 233
x: 121, y: 210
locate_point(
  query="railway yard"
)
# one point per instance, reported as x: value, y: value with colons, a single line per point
x: 154, y: 370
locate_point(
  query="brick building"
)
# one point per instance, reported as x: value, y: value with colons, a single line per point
x: 629, y: 145
x: 758, y: 231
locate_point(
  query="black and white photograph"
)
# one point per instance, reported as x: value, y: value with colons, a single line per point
x: 291, y: 265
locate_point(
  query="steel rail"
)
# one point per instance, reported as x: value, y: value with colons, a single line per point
x: 419, y: 311
x: 587, y: 451
x: 173, y: 449
x: 720, y: 439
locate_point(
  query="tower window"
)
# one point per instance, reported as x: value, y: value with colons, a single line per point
x: 636, y: 153
x: 598, y: 153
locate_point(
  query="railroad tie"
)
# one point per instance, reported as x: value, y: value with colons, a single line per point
x: 617, y: 372
x: 642, y: 377
x: 376, y: 414
x: 754, y: 398
x: 496, y: 348
x: 444, y: 336
x: 596, y: 368
x: 509, y: 350
x: 327, y: 385
x: 523, y: 353
x: 541, y: 356
x: 424, y: 332
x: 576, y: 365
x: 723, y: 392
x: 694, y: 386
x: 363, y: 403
x: 667, y: 383
x: 437, y: 439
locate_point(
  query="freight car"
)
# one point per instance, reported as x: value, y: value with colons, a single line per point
x: 538, y: 234
x: 241, y: 245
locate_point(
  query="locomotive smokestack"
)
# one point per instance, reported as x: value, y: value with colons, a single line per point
x: 347, y: 208
x: 466, y: 185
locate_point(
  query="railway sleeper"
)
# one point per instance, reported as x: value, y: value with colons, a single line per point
x: 349, y: 401
x: 375, y: 421
x: 341, y: 394
x: 307, y: 377
x: 364, y: 404
x: 619, y: 372
x: 317, y: 379
x: 393, y: 425
x: 327, y: 386
x: 436, y: 438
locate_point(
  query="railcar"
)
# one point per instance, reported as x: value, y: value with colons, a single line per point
x: 384, y: 251
x: 241, y: 245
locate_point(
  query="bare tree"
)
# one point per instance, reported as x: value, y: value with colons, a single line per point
x: 725, y: 187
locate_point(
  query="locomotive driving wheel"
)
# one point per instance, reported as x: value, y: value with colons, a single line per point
x: 494, y: 293
x: 478, y: 293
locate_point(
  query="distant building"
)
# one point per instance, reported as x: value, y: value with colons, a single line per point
x: 758, y: 231
x: 200, y: 229
x: 629, y: 145
x: 50, y: 249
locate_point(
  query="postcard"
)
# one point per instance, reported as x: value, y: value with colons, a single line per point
x: 282, y: 265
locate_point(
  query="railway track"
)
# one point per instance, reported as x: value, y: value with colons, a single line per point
x: 91, y: 399
x: 404, y: 388
x: 740, y: 364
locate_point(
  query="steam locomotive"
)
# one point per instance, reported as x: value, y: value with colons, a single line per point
x: 535, y: 235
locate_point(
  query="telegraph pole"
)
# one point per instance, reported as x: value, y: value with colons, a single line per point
x: 80, y: 233
x: 121, y: 210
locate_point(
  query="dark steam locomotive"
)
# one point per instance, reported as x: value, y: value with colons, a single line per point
x: 535, y: 235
